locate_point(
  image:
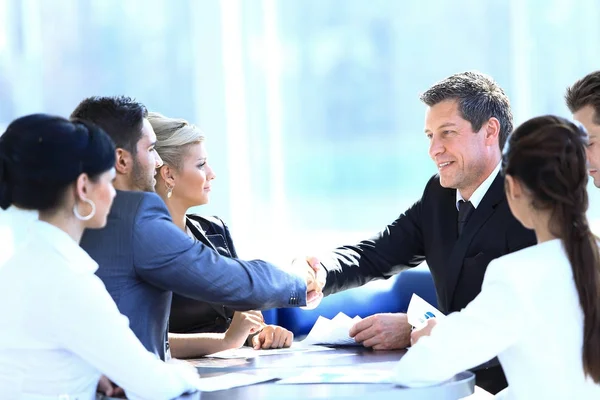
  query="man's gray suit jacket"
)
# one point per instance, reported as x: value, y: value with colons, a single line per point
x: 144, y: 257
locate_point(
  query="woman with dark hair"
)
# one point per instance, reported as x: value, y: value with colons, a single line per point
x: 539, y: 308
x: 60, y: 328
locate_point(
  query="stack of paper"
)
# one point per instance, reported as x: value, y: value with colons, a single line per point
x: 419, y: 311
x: 332, y: 332
x: 249, y: 352
x: 232, y: 380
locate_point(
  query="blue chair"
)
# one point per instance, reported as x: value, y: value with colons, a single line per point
x: 392, y: 295
x: 270, y: 316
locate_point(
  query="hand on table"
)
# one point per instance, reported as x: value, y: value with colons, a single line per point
x: 272, y: 337
x: 243, y: 324
x: 382, y: 331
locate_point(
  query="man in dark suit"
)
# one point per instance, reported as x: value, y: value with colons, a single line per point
x: 144, y: 257
x: 459, y: 225
x: 583, y: 99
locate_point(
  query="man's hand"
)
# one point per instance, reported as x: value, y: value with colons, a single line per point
x: 424, y: 331
x: 315, y: 282
x: 382, y: 331
x: 243, y: 324
x: 272, y: 337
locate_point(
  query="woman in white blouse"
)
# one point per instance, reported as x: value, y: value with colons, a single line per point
x: 539, y: 308
x: 60, y: 328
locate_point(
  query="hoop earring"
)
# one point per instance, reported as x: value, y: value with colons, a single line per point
x: 87, y: 217
x: 169, y: 192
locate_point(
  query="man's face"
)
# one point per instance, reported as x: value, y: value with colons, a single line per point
x: 587, y: 117
x: 146, y: 160
x: 459, y: 153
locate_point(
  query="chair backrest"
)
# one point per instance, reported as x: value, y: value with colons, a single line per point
x: 391, y: 295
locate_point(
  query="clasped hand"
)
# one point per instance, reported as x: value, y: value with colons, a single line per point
x: 315, y: 280
x: 265, y: 336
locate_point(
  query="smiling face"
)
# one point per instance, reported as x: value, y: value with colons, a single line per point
x: 464, y: 158
x: 588, y: 118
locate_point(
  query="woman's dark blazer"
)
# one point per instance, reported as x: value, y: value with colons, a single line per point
x: 193, y: 316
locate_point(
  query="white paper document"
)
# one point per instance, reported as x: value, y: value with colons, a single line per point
x: 419, y: 311
x: 249, y: 352
x: 348, y: 374
x: 332, y: 332
x: 218, y: 362
x: 235, y: 379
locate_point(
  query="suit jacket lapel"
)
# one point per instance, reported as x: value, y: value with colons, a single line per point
x: 199, y: 235
x: 493, y: 197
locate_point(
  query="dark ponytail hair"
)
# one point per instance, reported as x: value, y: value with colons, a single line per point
x: 547, y: 154
x: 41, y: 155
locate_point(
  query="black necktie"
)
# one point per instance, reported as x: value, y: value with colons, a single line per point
x: 465, y: 209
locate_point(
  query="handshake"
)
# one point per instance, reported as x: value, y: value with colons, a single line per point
x: 315, y: 279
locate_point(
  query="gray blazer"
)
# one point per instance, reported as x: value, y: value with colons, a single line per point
x: 144, y: 257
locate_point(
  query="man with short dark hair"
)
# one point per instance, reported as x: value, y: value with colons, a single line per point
x: 460, y: 224
x: 126, y: 121
x: 583, y: 99
x: 144, y: 257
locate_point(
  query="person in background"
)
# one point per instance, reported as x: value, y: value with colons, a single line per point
x: 144, y: 258
x: 583, y: 99
x: 60, y: 328
x: 539, y: 308
x: 184, y: 181
x: 460, y: 223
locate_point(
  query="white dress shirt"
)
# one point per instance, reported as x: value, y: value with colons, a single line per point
x: 528, y: 314
x: 14, y: 227
x: 481, y: 190
x: 61, y: 329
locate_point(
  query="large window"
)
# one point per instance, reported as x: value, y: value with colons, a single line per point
x: 310, y: 107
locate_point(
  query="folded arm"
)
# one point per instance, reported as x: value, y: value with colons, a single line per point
x: 89, y: 324
x: 189, y: 345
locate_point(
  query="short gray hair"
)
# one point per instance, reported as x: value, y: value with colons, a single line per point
x: 479, y: 99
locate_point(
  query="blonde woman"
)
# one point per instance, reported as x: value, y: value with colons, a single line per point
x: 184, y: 181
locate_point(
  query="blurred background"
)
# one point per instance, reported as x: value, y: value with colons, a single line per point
x: 310, y: 107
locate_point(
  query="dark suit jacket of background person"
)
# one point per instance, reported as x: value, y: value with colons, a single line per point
x: 144, y: 257
x: 428, y: 231
x: 194, y: 316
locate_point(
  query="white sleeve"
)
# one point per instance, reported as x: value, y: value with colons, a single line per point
x: 87, y: 322
x: 466, y: 339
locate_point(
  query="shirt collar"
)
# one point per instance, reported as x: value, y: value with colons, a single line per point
x: 478, y: 194
x: 59, y: 240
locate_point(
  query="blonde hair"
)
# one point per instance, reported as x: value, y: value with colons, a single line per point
x: 173, y: 137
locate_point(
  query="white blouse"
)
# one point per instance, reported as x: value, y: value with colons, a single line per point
x: 14, y: 226
x: 528, y: 314
x: 61, y: 329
